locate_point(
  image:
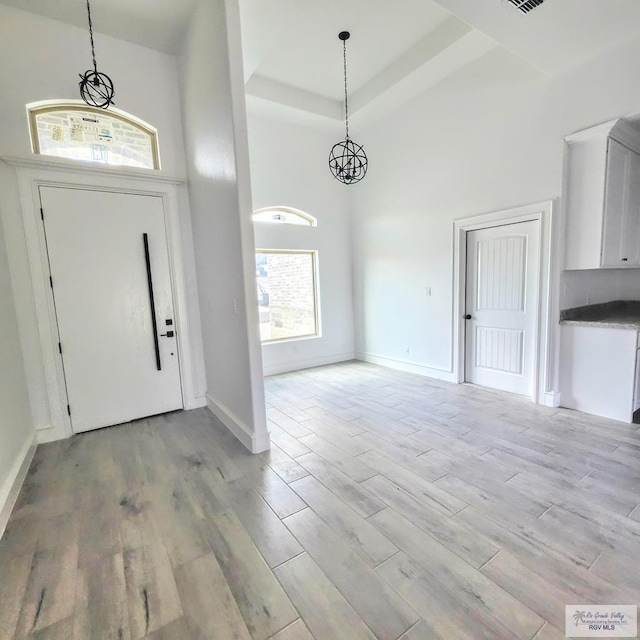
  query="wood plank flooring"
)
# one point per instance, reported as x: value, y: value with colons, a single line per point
x: 390, y: 506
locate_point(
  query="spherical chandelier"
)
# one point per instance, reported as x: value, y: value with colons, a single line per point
x: 96, y: 88
x: 347, y: 160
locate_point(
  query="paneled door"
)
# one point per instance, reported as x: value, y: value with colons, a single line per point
x: 113, y: 298
x: 502, y: 290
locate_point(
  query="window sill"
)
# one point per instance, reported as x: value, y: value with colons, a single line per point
x: 285, y: 340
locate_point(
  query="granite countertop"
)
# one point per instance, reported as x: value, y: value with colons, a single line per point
x: 620, y: 314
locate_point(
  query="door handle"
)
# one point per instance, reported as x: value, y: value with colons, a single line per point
x: 152, y: 301
x: 169, y: 334
x: 468, y: 316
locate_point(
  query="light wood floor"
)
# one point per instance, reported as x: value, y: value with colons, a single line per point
x: 391, y: 506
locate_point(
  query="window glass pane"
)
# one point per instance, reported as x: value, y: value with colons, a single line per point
x: 284, y: 216
x: 93, y: 137
x: 286, y: 295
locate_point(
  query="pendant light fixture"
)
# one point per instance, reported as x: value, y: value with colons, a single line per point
x: 96, y: 89
x: 348, y: 161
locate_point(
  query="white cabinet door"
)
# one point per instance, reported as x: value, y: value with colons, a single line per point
x: 597, y: 367
x: 621, y: 229
x: 616, y: 196
x: 631, y: 223
x: 636, y: 400
x: 101, y: 284
x: 502, y: 307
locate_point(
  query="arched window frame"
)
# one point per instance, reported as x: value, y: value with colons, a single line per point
x: 38, y: 108
x: 309, y: 220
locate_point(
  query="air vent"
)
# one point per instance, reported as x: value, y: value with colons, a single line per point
x: 526, y: 5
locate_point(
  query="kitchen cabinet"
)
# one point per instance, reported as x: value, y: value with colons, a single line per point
x: 636, y: 401
x: 603, y: 198
x: 621, y: 224
x: 600, y: 371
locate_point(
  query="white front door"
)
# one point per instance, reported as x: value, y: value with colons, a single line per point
x: 502, y: 307
x: 110, y: 267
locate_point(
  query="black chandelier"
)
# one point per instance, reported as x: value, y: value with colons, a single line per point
x: 96, y: 88
x: 347, y: 160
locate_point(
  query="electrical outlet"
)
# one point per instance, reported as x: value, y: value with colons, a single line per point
x: 428, y: 292
x: 235, y: 307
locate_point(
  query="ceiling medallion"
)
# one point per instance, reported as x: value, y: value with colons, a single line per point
x: 348, y: 161
x: 96, y: 89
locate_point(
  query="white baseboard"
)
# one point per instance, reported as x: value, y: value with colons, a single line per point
x: 49, y: 434
x: 12, y: 485
x: 196, y: 402
x: 256, y: 443
x: 406, y: 365
x: 552, y: 398
x: 297, y: 365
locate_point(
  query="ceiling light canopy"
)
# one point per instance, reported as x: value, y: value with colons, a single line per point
x: 347, y: 160
x: 96, y: 89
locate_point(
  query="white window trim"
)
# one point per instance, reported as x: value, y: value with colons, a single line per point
x: 316, y: 296
x: 50, y: 106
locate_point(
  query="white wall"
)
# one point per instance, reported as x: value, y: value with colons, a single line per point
x: 220, y: 198
x: 16, y: 425
x: 289, y: 168
x: 594, y: 286
x: 40, y: 59
x: 488, y: 138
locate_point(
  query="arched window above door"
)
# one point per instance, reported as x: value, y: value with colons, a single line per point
x: 76, y: 131
x: 284, y: 215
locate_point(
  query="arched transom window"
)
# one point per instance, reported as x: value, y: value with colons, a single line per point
x: 80, y: 132
x: 284, y: 215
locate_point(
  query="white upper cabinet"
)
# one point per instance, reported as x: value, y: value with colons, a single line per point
x: 603, y: 198
x: 620, y: 242
x: 632, y: 212
x: 636, y: 397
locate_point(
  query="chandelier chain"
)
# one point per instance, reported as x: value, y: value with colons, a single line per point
x: 346, y: 95
x: 93, y: 48
x: 96, y: 89
x: 347, y: 160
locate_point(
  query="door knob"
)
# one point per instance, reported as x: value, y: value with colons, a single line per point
x: 468, y: 316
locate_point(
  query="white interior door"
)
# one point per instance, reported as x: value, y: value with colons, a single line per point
x: 98, y: 243
x: 502, y: 306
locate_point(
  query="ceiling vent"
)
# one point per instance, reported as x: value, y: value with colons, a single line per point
x: 526, y: 5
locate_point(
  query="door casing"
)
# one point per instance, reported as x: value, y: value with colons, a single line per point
x: 31, y: 176
x: 544, y: 361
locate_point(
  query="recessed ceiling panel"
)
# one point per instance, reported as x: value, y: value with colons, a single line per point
x: 307, y: 54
